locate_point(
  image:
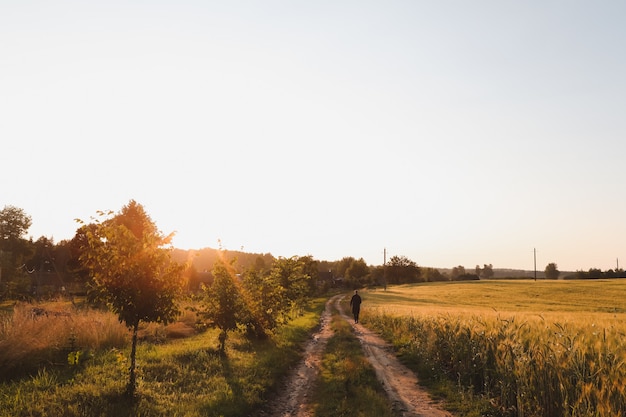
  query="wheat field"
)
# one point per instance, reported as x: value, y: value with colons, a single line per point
x: 533, y: 348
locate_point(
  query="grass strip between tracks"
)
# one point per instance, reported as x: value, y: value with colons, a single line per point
x: 347, y: 385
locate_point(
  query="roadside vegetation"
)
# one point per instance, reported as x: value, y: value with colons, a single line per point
x: 512, y: 348
x: 178, y: 374
x: 76, y: 353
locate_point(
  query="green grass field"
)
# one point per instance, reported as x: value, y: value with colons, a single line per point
x: 531, y: 348
x: 179, y: 374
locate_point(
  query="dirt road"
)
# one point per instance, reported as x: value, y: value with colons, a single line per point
x: 409, y: 399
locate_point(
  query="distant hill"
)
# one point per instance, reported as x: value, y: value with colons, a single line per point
x: 204, y: 259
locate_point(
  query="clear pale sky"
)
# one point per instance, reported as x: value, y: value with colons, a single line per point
x: 449, y: 132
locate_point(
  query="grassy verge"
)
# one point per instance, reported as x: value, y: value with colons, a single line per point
x: 185, y: 377
x: 347, y: 385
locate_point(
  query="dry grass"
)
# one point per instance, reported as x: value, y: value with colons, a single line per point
x: 35, y: 335
x: 184, y: 377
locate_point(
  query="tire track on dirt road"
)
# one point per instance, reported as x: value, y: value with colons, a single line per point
x: 293, y: 400
x: 408, y: 398
x: 399, y: 382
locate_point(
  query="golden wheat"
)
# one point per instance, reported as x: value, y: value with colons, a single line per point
x: 529, y: 363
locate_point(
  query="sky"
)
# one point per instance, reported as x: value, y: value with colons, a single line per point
x: 449, y: 132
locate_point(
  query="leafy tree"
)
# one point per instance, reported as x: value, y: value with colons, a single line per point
x: 259, y: 301
x: 342, y: 266
x: 14, y: 249
x: 265, y: 299
x: 402, y: 270
x: 377, y: 275
x: 433, y: 275
x: 132, y: 272
x: 617, y: 273
x: 486, y: 272
x: 14, y: 224
x: 223, y: 302
x: 41, y: 259
x: 291, y: 275
x: 595, y: 273
x: 456, y: 272
x: 552, y: 271
x: 76, y: 247
x: 357, y: 272
x: 310, y: 268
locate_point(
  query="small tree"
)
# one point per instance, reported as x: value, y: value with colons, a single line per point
x: 552, y: 271
x: 14, y: 249
x: 223, y: 303
x: 290, y: 274
x: 132, y: 271
x: 265, y: 301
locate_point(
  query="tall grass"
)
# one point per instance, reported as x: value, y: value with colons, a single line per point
x: 177, y: 377
x: 568, y: 364
x: 36, y: 336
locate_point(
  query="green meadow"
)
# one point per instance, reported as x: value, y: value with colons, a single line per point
x: 522, y: 348
x: 74, y: 362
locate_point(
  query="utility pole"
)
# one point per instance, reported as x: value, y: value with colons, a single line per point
x: 535, y: 257
x: 385, y: 269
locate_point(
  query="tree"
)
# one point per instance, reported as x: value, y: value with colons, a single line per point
x: 310, y: 268
x: 14, y: 223
x: 258, y: 300
x: 486, y: 272
x: 77, y: 246
x: 457, y: 272
x: 552, y: 271
x: 290, y: 273
x: 402, y: 270
x: 132, y: 271
x: 223, y: 302
x: 265, y: 299
x: 342, y: 266
x: 357, y: 272
x: 14, y: 249
x: 433, y: 275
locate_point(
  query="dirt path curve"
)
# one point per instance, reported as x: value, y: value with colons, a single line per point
x: 408, y: 397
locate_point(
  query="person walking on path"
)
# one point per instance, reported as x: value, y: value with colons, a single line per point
x: 355, y: 303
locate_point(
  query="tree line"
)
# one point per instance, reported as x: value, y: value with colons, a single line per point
x: 123, y: 262
x: 35, y: 269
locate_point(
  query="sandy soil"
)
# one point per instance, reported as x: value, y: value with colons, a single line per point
x: 409, y: 399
